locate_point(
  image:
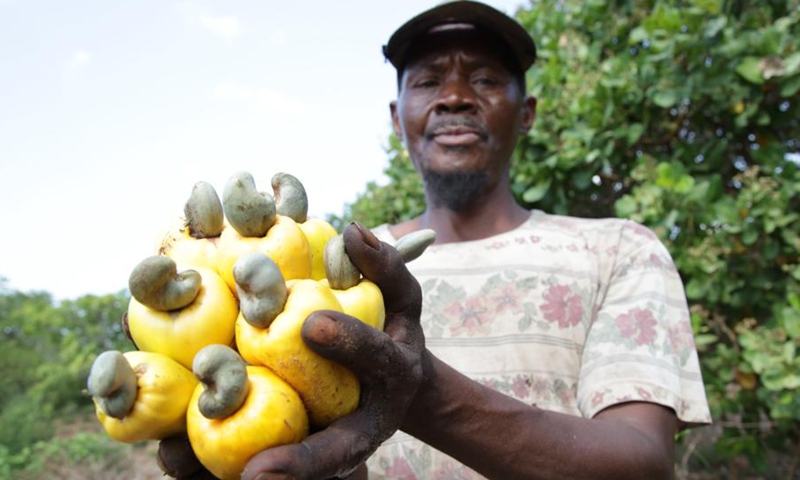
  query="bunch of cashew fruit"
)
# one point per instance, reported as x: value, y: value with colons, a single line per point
x: 216, y: 317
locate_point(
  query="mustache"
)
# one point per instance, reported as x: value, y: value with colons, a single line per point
x: 444, y: 124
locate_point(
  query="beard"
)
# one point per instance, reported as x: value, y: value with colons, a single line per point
x: 456, y: 191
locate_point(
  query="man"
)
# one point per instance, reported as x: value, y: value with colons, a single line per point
x: 553, y: 347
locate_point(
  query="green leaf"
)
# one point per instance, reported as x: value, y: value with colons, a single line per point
x: 710, y: 6
x: 684, y: 184
x: 750, y: 236
x: 671, y: 218
x: 626, y: 206
x: 582, y: 179
x: 702, y: 340
x: 790, y: 86
x: 750, y: 70
x: 672, y: 176
x: 665, y: 98
x: 537, y: 192
x: 696, y: 289
x: 637, y: 35
x: 791, y: 323
x: 789, y: 351
x: 634, y: 132
x: 699, y: 193
x: 715, y: 25
x: 795, y: 273
x: 791, y: 64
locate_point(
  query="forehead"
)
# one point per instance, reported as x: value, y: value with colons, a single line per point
x: 475, y: 45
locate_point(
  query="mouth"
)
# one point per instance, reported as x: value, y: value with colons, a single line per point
x: 456, y: 138
x: 456, y: 135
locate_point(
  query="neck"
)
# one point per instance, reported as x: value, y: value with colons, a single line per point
x: 494, y: 213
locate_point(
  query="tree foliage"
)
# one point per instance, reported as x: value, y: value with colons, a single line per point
x: 682, y: 115
x: 48, y: 348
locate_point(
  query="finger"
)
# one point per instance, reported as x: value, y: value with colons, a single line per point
x: 382, y: 264
x: 126, y: 328
x: 177, y: 459
x: 360, y: 473
x: 366, y: 351
x: 333, y: 452
x: 199, y: 475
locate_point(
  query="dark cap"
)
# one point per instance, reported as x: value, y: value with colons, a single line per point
x: 476, y: 14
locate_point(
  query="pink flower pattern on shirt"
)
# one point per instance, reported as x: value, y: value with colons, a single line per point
x: 400, y: 469
x: 473, y: 317
x: 507, y: 298
x: 637, y: 324
x: 681, y: 340
x: 562, y: 306
x: 452, y: 310
x: 598, y: 398
x: 521, y: 387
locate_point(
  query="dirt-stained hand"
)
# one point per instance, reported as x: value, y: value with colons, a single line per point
x: 177, y: 460
x: 388, y: 365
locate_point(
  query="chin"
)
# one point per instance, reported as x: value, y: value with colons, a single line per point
x: 455, y: 190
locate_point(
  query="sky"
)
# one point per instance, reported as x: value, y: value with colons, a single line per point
x: 110, y: 112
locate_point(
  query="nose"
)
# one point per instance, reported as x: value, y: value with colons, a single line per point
x: 455, y: 96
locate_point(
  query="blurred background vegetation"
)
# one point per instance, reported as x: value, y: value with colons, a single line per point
x: 682, y: 115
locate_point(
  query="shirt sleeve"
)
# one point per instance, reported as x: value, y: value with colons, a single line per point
x: 640, y: 345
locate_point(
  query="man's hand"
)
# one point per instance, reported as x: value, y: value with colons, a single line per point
x: 388, y: 365
x: 177, y: 459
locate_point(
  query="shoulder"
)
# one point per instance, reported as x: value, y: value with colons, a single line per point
x: 596, y: 231
x: 578, y: 225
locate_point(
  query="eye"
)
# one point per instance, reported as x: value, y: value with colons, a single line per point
x: 486, y: 80
x: 427, y: 82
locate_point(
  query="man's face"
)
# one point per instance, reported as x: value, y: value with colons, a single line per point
x: 460, y: 110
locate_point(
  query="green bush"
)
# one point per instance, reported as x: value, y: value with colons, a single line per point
x: 44, y: 459
x: 47, y: 352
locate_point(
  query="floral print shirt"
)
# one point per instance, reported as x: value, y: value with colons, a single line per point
x: 571, y: 315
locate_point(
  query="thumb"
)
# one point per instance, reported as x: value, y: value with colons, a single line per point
x: 382, y: 264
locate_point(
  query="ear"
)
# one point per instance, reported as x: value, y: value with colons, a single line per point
x: 398, y: 131
x: 528, y: 114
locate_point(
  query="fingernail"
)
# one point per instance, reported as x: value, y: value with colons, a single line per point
x: 369, y: 238
x: 321, y: 330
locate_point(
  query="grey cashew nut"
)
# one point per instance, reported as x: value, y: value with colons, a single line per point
x: 412, y: 245
x: 339, y: 269
x: 203, y: 212
x: 343, y: 274
x: 156, y: 283
x: 224, y: 378
x: 113, y: 384
x: 291, y: 199
x: 250, y: 212
x: 261, y: 288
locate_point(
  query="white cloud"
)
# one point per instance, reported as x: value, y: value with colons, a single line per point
x: 78, y: 59
x: 225, y: 26
x: 273, y: 100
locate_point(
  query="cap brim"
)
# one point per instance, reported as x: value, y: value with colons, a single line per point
x: 477, y: 14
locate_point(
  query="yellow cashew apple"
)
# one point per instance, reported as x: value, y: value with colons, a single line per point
x: 140, y: 395
x: 239, y: 411
x: 180, y: 332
